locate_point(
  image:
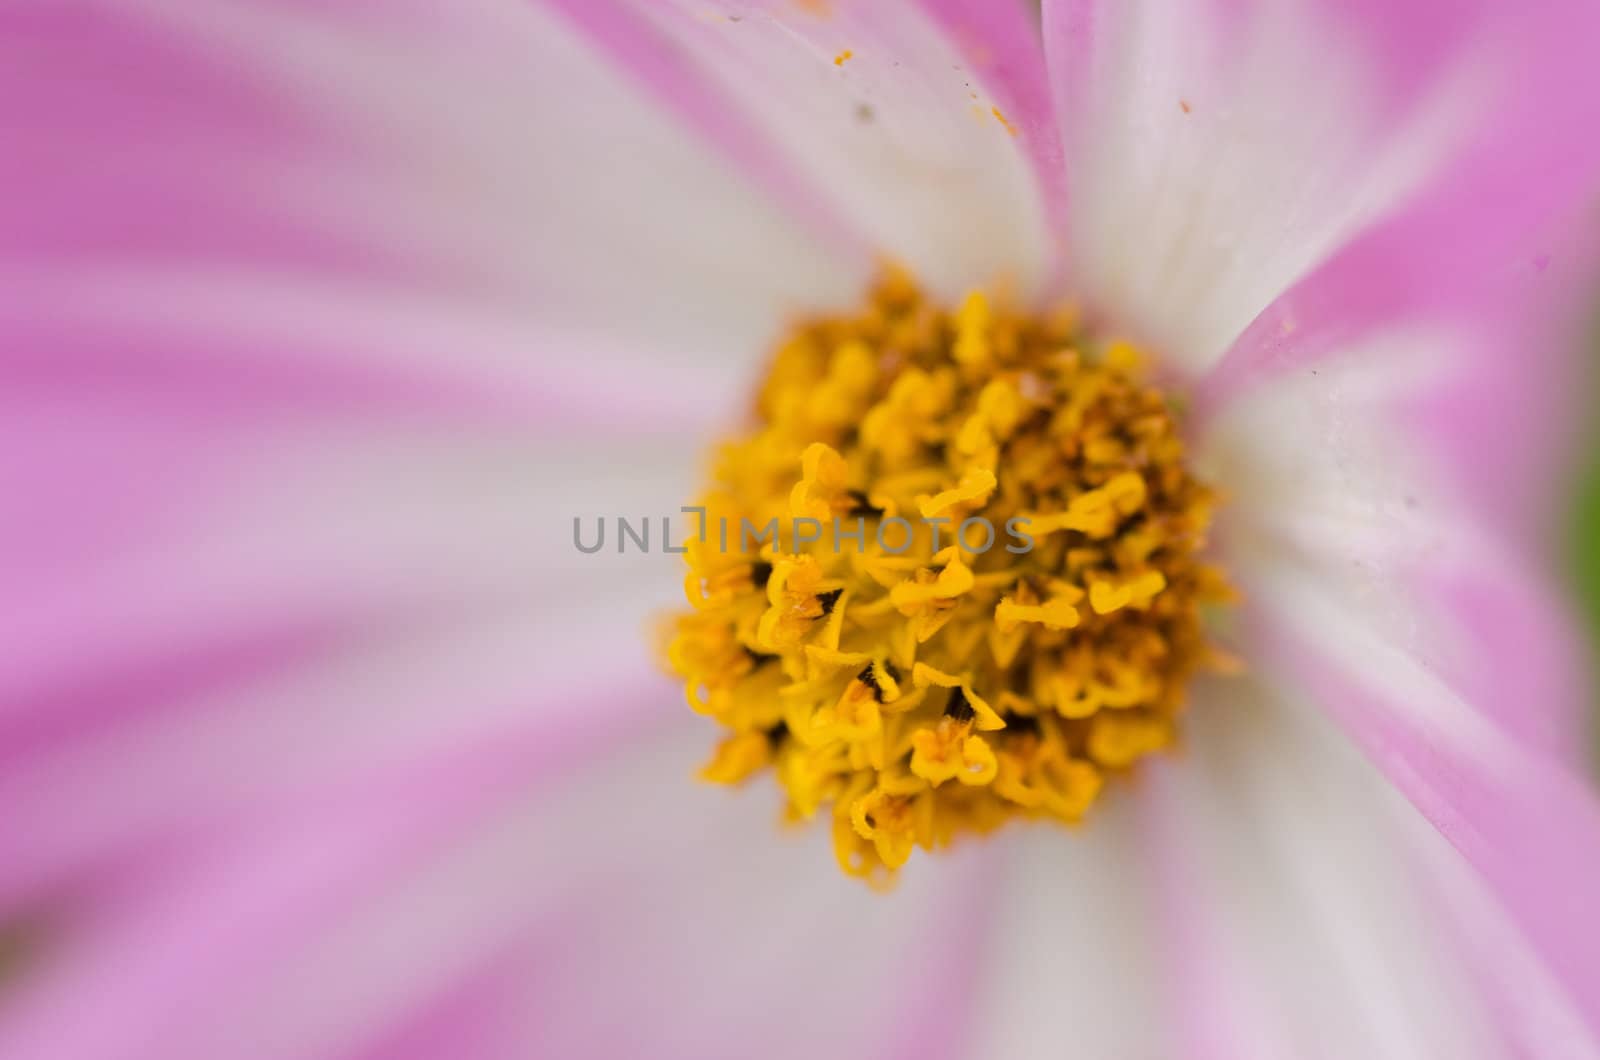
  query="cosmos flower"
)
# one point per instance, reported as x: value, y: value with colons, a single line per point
x: 322, y: 324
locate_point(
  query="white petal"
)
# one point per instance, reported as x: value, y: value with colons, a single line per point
x: 497, y: 151
x: 1076, y: 958
x: 1217, y: 152
x: 1345, y: 494
x: 899, y: 133
x: 1299, y: 856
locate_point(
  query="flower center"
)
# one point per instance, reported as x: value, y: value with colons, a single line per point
x: 951, y: 578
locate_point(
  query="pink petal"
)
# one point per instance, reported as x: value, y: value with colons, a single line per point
x: 308, y: 173
x: 1506, y: 276
x: 1001, y: 45
x: 1378, y: 588
x: 131, y: 759
x: 1220, y: 152
x: 1303, y: 876
x: 1335, y: 480
x: 1501, y: 237
x: 888, y: 109
x: 251, y: 609
x: 1525, y: 822
x: 579, y: 907
x: 302, y: 524
x: 281, y: 449
x: 1501, y: 249
x: 1533, y: 1014
x: 273, y: 343
x: 480, y: 1016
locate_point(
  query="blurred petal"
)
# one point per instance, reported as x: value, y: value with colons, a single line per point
x: 1302, y: 865
x: 1377, y: 585
x: 1503, y: 239
x: 287, y: 616
x: 483, y: 170
x: 262, y: 529
x: 1076, y: 958
x: 1526, y: 823
x: 1502, y: 415
x: 1532, y: 1012
x: 291, y: 389
x: 1001, y: 46
x: 187, y: 744
x: 892, y: 110
x: 577, y: 904
x: 1340, y: 488
x: 1497, y: 260
x: 1218, y: 152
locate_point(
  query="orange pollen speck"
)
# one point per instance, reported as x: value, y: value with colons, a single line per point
x: 843, y: 57
x: 961, y: 581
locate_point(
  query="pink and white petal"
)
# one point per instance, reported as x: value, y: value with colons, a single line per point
x: 255, y: 341
x: 221, y: 434
x: 1532, y: 1012
x: 482, y: 172
x: 1337, y: 478
x: 291, y: 516
x: 157, y: 512
x: 1307, y: 873
x: 1000, y: 44
x: 1503, y: 240
x: 1435, y: 644
x: 1500, y: 283
x: 621, y: 910
x: 320, y: 523
x: 1526, y: 825
x: 894, y: 111
x: 134, y: 760
x: 1501, y: 417
x: 353, y: 605
x: 1076, y: 957
x: 1219, y: 152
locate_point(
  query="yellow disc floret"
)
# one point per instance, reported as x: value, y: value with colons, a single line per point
x: 950, y: 578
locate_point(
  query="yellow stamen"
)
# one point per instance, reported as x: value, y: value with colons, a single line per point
x: 949, y: 750
x: 982, y: 599
x: 1107, y: 596
x: 737, y: 758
